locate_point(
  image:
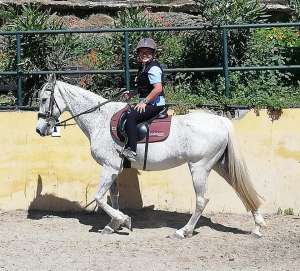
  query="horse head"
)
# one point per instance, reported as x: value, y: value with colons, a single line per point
x: 50, y: 107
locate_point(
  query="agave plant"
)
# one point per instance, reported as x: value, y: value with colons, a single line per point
x: 38, y: 51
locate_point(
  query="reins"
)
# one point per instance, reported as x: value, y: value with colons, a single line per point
x: 94, y: 108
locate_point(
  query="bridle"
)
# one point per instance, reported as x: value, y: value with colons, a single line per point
x: 48, y: 115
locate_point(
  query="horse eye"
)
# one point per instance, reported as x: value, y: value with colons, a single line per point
x: 44, y: 100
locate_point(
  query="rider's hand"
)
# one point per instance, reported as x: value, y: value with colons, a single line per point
x: 140, y: 107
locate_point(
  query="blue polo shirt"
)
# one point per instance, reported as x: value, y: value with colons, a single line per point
x: 155, y: 76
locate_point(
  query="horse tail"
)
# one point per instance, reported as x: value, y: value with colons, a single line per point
x: 239, y: 177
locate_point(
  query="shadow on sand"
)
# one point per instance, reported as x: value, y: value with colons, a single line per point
x: 141, y: 218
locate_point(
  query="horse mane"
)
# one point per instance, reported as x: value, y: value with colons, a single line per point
x: 79, y: 91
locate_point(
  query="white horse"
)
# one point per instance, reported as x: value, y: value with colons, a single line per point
x: 205, y: 141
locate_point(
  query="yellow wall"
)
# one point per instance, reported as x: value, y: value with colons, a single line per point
x: 59, y: 173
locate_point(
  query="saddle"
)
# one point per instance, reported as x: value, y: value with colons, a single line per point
x: 158, y: 126
x: 156, y: 129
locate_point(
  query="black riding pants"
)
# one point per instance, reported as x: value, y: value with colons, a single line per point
x: 134, y: 118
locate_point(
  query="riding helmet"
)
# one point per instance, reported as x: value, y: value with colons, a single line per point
x: 146, y: 43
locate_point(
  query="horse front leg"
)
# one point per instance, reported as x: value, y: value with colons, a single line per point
x: 118, y: 219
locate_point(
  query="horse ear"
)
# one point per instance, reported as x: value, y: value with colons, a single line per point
x: 52, y: 78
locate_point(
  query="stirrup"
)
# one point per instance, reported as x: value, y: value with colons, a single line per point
x: 129, y: 154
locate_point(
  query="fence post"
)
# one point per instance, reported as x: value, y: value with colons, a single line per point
x: 127, y: 76
x: 225, y: 62
x: 18, y: 60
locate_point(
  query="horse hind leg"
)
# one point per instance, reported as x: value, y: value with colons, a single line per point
x: 199, y: 176
x: 259, y: 223
x: 222, y: 169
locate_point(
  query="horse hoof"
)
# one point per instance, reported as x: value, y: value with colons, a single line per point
x: 189, y: 235
x: 259, y: 220
x: 179, y: 235
x: 256, y: 233
x: 127, y: 223
x: 107, y: 230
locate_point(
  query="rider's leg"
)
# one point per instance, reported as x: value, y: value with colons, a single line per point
x: 130, y: 128
x: 134, y: 118
x: 199, y: 176
x: 117, y: 217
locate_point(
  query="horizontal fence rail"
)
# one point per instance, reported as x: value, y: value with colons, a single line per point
x: 224, y: 29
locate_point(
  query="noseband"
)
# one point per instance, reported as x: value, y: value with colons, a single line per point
x: 48, y: 115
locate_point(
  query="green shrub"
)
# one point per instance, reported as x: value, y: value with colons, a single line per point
x: 39, y: 51
x: 7, y: 99
x: 7, y: 13
x: 36, y: 48
x: 96, y: 52
x: 295, y: 5
x: 170, y: 46
x: 205, y: 49
x: 4, y: 61
x: 274, y: 46
x: 288, y: 211
x: 223, y: 12
x: 268, y: 88
x: 108, y: 50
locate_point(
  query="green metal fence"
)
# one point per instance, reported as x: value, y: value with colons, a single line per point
x: 19, y: 73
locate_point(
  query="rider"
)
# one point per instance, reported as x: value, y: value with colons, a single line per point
x: 150, y: 90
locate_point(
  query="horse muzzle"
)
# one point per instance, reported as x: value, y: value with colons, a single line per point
x: 41, y: 132
x: 43, y: 128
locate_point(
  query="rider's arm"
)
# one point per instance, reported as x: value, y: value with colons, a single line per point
x: 155, y: 78
x: 156, y: 91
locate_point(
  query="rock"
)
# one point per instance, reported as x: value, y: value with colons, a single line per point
x: 103, y: 6
x: 180, y: 18
x: 93, y: 21
x: 108, y: 6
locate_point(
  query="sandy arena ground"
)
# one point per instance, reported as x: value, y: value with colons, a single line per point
x: 57, y: 241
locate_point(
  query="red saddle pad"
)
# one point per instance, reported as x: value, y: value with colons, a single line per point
x: 159, y: 129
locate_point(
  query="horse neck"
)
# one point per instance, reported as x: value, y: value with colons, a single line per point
x: 78, y: 100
